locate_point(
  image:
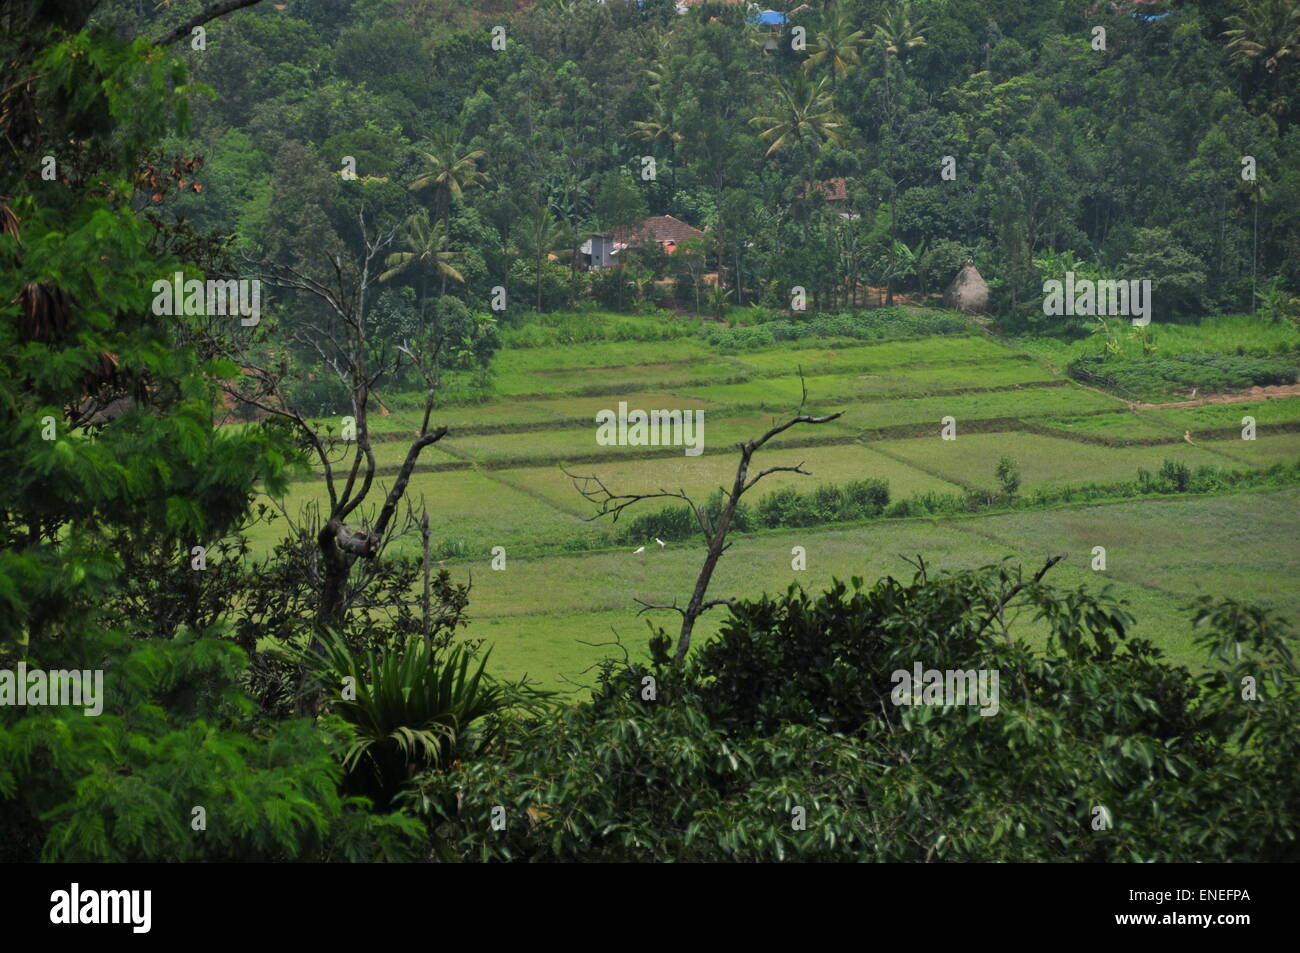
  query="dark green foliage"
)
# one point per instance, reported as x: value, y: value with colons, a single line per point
x: 793, y: 706
x: 175, y: 734
x: 1008, y: 475
x: 882, y: 324
x: 117, y: 471
x: 858, y: 499
x: 412, y: 707
x: 1173, y: 377
x: 855, y: 500
x: 322, y: 396
x: 678, y: 522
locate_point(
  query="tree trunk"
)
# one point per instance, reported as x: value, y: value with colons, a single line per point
x: 424, y: 601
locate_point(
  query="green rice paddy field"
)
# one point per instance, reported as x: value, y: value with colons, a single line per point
x: 497, y: 480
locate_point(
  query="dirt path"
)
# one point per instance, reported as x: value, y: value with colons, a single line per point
x: 1238, y: 397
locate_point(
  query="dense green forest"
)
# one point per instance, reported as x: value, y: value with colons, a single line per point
x: 419, y: 187
x: 1127, y: 159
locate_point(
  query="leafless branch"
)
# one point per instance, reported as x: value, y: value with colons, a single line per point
x: 1015, y: 590
x: 609, y: 503
x: 211, y: 13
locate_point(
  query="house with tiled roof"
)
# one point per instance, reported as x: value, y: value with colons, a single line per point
x: 602, y: 248
x: 836, y: 193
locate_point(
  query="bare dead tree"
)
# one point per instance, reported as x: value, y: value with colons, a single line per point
x: 211, y: 13
x: 340, y: 340
x: 609, y: 503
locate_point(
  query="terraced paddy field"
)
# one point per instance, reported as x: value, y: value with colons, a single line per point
x: 570, y: 583
x: 542, y: 613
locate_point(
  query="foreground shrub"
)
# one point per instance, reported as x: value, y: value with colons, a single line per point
x: 780, y: 739
x: 177, y: 734
x: 412, y: 707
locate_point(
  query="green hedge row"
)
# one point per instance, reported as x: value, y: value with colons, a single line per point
x: 1161, y: 377
x: 828, y: 503
x: 880, y: 324
x: 868, y: 499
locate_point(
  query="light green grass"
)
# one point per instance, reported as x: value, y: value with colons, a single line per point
x: 699, y: 476
x: 816, y: 358
x: 574, y: 442
x: 585, y: 408
x: 1029, y: 402
x: 1170, y: 423
x: 1220, y: 334
x: 1160, y: 554
x: 1043, y: 461
x: 469, y: 513
x: 1260, y: 453
x: 1217, y: 416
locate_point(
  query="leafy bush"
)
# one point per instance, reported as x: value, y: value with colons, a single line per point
x: 321, y: 396
x: 1174, y: 475
x: 678, y: 522
x: 792, y: 713
x: 1008, y: 475
x: 565, y: 327
x: 787, y: 507
x: 174, y: 734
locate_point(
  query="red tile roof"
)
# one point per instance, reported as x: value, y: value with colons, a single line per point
x: 658, y: 228
x: 835, y: 190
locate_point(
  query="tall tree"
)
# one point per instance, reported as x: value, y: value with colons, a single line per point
x: 805, y: 114
x: 452, y: 168
x: 427, y: 254
x: 837, y: 46
x: 541, y: 235
x: 898, y: 35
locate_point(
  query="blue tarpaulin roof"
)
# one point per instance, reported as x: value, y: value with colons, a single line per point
x: 769, y: 18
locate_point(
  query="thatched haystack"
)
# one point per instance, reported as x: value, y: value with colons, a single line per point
x: 968, y: 293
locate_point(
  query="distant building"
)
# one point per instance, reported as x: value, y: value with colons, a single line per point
x: 773, y: 22
x: 601, y: 250
x: 836, y: 192
x: 598, y: 250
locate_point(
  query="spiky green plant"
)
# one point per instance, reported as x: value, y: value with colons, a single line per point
x: 413, y: 708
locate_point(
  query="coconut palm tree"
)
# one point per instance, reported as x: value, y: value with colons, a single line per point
x: 661, y: 126
x: 452, y: 170
x: 1268, y: 33
x: 662, y: 49
x: 899, y: 33
x: 806, y: 114
x: 837, y: 47
x: 428, y: 253
x: 541, y: 234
